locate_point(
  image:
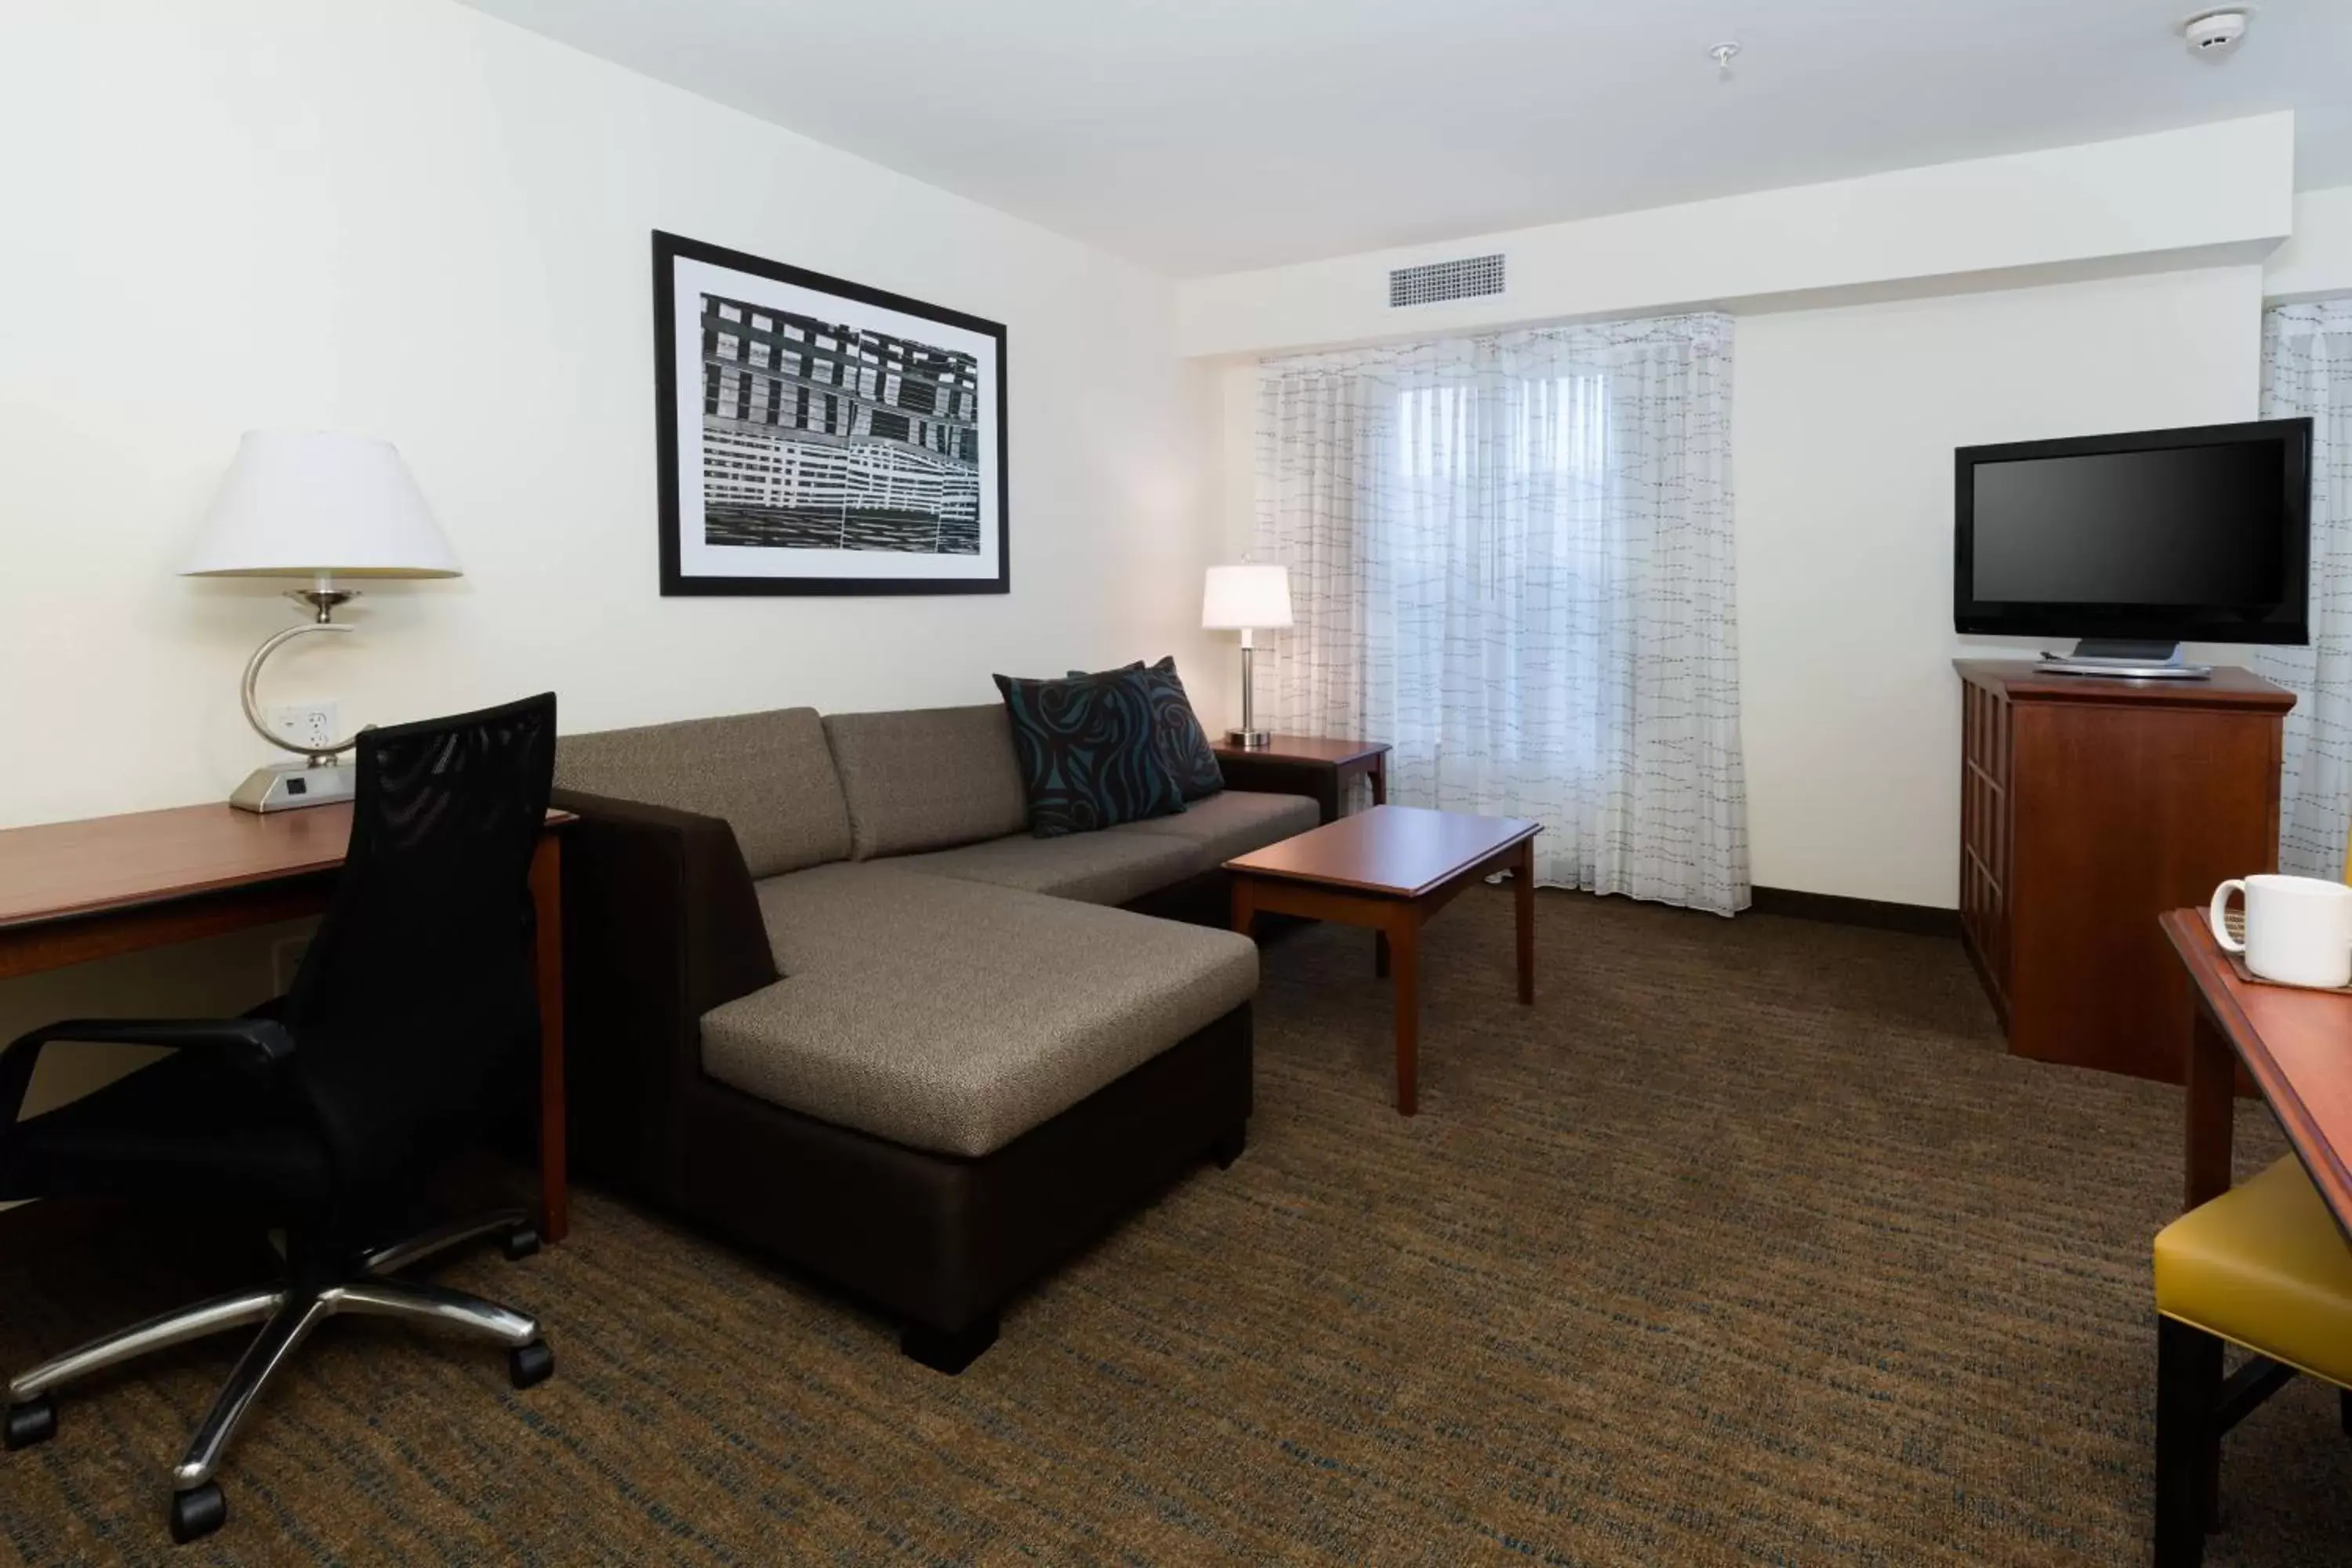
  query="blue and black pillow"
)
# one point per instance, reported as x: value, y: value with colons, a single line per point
x: 1087, y: 751
x: 1185, y: 749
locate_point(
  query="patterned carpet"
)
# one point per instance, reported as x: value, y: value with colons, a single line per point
x: 1745, y: 1245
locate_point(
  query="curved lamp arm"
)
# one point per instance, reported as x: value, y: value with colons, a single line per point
x: 318, y: 755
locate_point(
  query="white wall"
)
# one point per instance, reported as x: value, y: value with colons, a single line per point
x: 2196, y: 196
x: 1882, y: 322
x: 2318, y: 259
x: 1843, y: 425
x: 404, y: 218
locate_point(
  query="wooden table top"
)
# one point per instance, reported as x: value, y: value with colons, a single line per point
x: 2228, y: 687
x: 1397, y: 851
x: 2297, y: 1047
x: 1305, y: 749
x: 60, y: 870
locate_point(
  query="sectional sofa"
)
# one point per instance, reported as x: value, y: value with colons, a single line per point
x: 826, y: 996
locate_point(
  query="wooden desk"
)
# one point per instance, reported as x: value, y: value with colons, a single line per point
x: 2296, y: 1046
x: 1310, y: 765
x: 1390, y: 869
x: 73, y: 891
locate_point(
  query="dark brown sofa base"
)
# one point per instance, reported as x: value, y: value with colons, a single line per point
x: 942, y: 1242
x: 661, y: 925
x: 1205, y: 898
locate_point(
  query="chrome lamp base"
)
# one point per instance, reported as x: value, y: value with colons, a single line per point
x: 1249, y: 737
x: 289, y: 786
x: 320, y: 780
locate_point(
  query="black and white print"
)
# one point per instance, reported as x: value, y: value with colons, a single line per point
x: 819, y: 434
x: 820, y: 437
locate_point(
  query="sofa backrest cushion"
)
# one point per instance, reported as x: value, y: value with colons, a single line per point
x: 770, y: 775
x: 928, y: 778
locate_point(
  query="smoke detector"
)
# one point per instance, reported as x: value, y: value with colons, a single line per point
x: 2214, y: 33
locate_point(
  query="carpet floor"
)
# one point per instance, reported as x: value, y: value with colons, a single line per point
x: 1745, y: 1244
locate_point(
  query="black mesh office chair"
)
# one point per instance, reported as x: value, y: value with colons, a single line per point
x: 321, y: 1111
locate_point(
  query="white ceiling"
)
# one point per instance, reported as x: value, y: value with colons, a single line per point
x: 1202, y: 136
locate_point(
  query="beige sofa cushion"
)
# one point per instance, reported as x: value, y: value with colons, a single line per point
x: 1108, y: 867
x: 926, y: 778
x: 1229, y: 823
x: 954, y: 1016
x: 769, y: 775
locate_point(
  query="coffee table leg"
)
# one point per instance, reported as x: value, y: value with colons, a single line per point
x: 1245, y: 905
x: 1379, y: 955
x: 1523, y: 885
x: 1405, y: 949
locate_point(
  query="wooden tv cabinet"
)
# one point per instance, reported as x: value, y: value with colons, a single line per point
x: 2088, y: 807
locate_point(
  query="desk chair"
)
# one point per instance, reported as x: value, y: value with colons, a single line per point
x: 2264, y: 1267
x: 322, y: 1110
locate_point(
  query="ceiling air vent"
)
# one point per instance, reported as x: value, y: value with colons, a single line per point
x: 1471, y: 277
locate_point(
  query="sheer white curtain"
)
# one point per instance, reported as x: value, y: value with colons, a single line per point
x: 2307, y: 369
x: 1511, y: 556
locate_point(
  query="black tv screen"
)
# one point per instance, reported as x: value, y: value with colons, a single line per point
x: 2200, y: 534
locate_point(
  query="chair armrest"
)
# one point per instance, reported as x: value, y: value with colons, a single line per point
x: 660, y: 925
x: 256, y: 1045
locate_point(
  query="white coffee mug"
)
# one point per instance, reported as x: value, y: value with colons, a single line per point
x: 2298, y: 929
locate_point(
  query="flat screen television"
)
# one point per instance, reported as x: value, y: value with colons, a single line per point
x: 2153, y: 538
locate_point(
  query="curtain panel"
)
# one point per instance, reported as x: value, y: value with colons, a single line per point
x: 2307, y: 369
x: 1511, y: 557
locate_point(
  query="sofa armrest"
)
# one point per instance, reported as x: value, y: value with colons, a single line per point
x: 660, y: 925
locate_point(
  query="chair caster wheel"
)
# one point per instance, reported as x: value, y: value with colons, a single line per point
x: 35, y: 1421
x: 521, y: 1242
x: 530, y: 1365
x: 197, y: 1513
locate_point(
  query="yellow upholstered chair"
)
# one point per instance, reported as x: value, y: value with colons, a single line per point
x: 2264, y: 1267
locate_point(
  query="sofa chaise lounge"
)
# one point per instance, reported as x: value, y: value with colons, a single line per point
x: 826, y: 996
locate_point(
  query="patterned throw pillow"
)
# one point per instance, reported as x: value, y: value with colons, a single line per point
x: 1087, y: 753
x: 1184, y: 748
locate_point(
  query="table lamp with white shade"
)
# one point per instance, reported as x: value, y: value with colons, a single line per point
x: 1249, y: 599
x: 328, y: 508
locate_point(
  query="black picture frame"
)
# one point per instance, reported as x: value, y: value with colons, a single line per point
x: 679, y: 577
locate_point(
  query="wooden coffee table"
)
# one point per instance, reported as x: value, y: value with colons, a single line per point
x: 1389, y: 870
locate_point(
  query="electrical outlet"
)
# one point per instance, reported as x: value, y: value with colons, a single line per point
x: 315, y: 723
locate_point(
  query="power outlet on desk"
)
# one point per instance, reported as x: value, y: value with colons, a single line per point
x: 316, y: 723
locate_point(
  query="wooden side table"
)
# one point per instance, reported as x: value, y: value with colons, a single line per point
x: 1308, y: 765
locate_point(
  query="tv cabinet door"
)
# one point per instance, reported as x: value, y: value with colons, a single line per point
x: 2119, y: 812
x: 1985, y: 750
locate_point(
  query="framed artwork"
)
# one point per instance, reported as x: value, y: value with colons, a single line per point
x: 818, y: 437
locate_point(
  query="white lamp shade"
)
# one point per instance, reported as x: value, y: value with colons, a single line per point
x: 1245, y: 598
x: 305, y: 504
